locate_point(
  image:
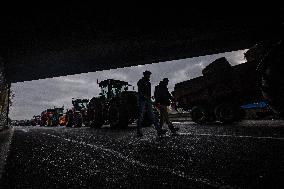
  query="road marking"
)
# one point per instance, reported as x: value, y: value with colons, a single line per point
x: 183, y: 122
x: 136, y: 162
x: 24, y: 130
x: 233, y: 136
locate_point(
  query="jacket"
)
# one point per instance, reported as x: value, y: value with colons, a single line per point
x: 162, y: 95
x: 144, y: 89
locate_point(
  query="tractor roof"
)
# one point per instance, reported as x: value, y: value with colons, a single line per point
x: 81, y: 100
x: 112, y: 82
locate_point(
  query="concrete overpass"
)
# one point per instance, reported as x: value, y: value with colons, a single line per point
x: 41, y: 44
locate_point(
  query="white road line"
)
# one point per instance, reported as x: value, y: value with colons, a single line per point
x: 24, y: 130
x: 136, y: 162
x: 233, y: 136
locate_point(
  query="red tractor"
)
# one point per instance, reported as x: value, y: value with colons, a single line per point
x: 51, y: 117
x: 43, y: 118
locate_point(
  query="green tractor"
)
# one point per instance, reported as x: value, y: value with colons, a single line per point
x: 115, y: 105
x: 79, y: 112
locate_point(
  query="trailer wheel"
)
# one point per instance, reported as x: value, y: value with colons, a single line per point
x: 227, y: 113
x: 199, y: 114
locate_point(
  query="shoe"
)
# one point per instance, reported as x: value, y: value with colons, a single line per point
x: 161, y: 131
x: 174, y: 129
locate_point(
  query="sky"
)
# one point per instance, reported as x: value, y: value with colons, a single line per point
x: 33, y: 97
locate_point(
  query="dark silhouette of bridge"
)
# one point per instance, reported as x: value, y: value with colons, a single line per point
x: 40, y: 43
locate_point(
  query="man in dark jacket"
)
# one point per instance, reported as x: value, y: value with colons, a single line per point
x: 163, y: 99
x: 145, y: 104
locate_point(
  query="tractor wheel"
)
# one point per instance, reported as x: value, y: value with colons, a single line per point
x: 118, y: 115
x: 227, y: 113
x: 49, y: 123
x: 95, y: 113
x: 78, y: 120
x: 272, y: 84
x: 69, y: 124
x: 199, y: 114
x: 113, y: 115
x: 98, y: 120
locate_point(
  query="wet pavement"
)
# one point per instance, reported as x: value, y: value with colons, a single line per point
x: 249, y: 154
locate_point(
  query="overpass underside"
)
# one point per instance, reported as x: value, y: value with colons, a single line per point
x: 43, y: 45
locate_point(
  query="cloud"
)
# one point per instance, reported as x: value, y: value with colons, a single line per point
x: 32, y: 97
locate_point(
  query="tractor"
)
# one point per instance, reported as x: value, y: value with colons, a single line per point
x: 43, y: 118
x: 36, y: 120
x: 115, y: 105
x: 77, y: 116
x: 51, y: 117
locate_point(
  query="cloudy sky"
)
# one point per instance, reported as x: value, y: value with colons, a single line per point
x: 32, y: 97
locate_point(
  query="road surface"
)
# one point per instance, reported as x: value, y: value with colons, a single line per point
x: 249, y: 154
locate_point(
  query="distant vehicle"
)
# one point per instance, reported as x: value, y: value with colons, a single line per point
x: 43, y: 118
x: 220, y: 92
x: 78, y: 113
x: 51, y: 117
x: 27, y: 123
x: 21, y: 123
x: 36, y: 120
x: 15, y: 123
x: 62, y: 120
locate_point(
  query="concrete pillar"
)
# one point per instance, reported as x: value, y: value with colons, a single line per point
x: 4, y: 97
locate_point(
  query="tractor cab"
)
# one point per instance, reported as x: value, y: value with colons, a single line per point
x: 80, y: 104
x: 59, y: 111
x: 77, y: 116
x: 111, y: 88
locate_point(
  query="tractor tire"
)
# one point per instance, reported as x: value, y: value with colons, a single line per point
x: 98, y: 120
x: 272, y: 84
x: 199, y: 114
x: 118, y: 115
x: 69, y: 120
x: 49, y: 123
x: 113, y: 115
x: 78, y: 121
x: 69, y: 124
x: 95, y: 113
x: 227, y: 113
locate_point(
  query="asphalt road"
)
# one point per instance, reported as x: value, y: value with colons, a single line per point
x: 249, y: 154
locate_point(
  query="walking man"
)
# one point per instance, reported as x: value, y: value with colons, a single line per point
x: 145, y: 104
x: 163, y: 99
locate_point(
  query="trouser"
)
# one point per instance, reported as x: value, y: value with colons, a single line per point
x: 145, y: 106
x: 164, y: 117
